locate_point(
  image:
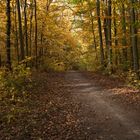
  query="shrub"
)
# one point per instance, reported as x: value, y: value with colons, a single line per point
x: 14, y: 84
x: 13, y: 91
x: 132, y: 79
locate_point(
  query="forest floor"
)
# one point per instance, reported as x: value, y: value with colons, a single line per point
x: 76, y: 106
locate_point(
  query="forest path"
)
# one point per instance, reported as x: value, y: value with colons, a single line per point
x: 73, y: 106
x: 101, y: 117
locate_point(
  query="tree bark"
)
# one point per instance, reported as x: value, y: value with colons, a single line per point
x: 31, y: 18
x: 109, y: 42
x: 36, y: 48
x: 92, y: 28
x: 115, y: 36
x: 100, y: 33
x: 134, y: 37
x: 25, y: 27
x: 124, y: 43
x: 8, y: 35
x: 20, y: 31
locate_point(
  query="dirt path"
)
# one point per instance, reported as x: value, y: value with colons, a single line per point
x: 101, y: 117
x: 70, y: 106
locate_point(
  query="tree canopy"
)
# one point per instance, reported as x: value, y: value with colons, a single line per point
x: 86, y: 34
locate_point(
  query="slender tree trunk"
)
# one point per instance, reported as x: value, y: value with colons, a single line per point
x: 100, y: 33
x: 93, y: 32
x: 134, y: 37
x: 42, y: 48
x: 0, y: 61
x: 124, y: 43
x: 25, y: 27
x: 105, y: 14
x: 109, y: 35
x: 92, y: 27
x: 20, y: 31
x: 115, y: 36
x: 41, y: 39
x: 16, y: 36
x: 36, y: 48
x: 8, y: 34
x: 31, y: 18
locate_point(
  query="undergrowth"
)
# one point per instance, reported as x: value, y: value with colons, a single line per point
x: 13, y: 91
x: 133, y: 79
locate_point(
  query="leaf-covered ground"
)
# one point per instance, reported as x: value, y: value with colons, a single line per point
x: 49, y: 113
x: 123, y: 93
x: 53, y: 111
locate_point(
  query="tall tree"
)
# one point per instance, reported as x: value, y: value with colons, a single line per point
x: 100, y: 33
x: 92, y: 27
x: 134, y: 37
x: 124, y: 43
x: 16, y: 34
x: 25, y: 27
x: 105, y: 15
x: 109, y: 34
x: 20, y: 31
x: 8, y: 33
x: 36, y: 48
x: 31, y: 18
x: 115, y: 35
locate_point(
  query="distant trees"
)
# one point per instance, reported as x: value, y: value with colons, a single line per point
x: 117, y: 23
x: 110, y: 27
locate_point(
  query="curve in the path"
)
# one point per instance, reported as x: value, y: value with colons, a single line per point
x: 102, y: 117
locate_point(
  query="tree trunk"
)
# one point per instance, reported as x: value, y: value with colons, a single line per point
x: 93, y: 32
x: 134, y: 37
x: 25, y: 27
x: 105, y: 14
x: 115, y: 36
x: 16, y: 36
x: 8, y: 34
x: 109, y: 42
x: 20, y: 31
x: 36, y: 48
x: 31, y: 18
x: 124, y: 43
x: 92, y: 27
x: 100, y: 33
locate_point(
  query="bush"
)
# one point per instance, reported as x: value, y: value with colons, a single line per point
x: 14, y: 84
x: 132, y: 79
x: 13, y: 91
